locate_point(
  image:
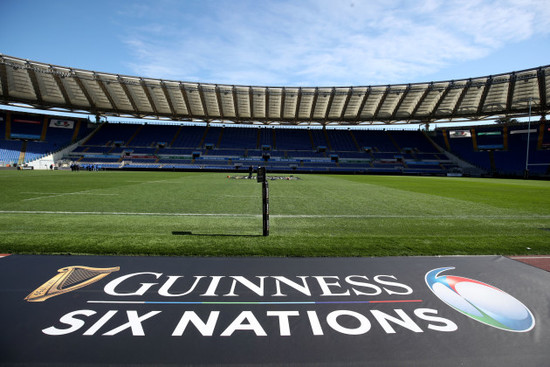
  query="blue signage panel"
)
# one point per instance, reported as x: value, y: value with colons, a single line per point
x: 486, y: 310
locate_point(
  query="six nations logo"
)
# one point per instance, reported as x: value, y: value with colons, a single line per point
x: 482, y: 302
x: 475, y: 299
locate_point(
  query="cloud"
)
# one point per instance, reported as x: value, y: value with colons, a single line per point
x: 324, y: 42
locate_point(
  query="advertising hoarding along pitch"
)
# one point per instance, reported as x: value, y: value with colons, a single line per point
x: 486, y: 310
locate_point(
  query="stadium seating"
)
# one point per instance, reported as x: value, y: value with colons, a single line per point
x: 498, y: 150
x: 220, y: 148
x: 501, y: 150
x: 27, y: 137
x: 9, y: 152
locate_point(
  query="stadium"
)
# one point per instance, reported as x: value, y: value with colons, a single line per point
x: 181, y: 130
x: 157, y: 221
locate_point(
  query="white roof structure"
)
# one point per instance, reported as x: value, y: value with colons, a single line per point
x: 46, y: 86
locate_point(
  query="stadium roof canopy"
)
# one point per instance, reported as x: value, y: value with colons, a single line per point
x: 46, y: 86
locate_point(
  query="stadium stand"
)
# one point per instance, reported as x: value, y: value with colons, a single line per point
x: 501, y: 150
x: 28, y: 137
x: 497, y: 150
x: 9, y: 152
x: 238, y: 148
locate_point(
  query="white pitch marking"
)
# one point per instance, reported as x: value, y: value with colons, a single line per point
x: 55, y: 195
x: 366, y: 216
x: 65, y: 193
x: 128, y: 213
x: 43, y: 193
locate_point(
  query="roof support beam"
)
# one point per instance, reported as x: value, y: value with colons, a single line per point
x: 266, y: 110
x: 346, y: 103
x: 486, y: 89
x: 298, y: 101
x: 329, y: 104
x: 461, y: 97
x: 62, y: 88
x: 34, y: 82
x: 186, y: 100
x: 511, y: 88
x: 219, y: 101
x: 421, y: 100
x: 168, y: 99
x: 403, y: 96
x: 148, y: 95
x: 126, y: 92
x: 251, y: 102
x: 235, y: 103
x: 450, y: 86
x: 542, y: 90
x: 382, y: 100
x: 267, y: 93
x: 93, y: 107
x: 203, y: 101
x: 283, y: 97
x: 4, y: 79
x: 313, y: 104
x: 108, y: 95
x: 363, y: 103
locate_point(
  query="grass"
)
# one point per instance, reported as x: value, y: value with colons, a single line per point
x: 207, y: 214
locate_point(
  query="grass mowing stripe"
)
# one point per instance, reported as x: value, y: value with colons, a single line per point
x: 206, y: 214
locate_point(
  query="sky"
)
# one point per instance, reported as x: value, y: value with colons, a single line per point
x: 282, y: 42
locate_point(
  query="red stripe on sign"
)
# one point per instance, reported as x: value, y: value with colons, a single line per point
x: 27, y: 121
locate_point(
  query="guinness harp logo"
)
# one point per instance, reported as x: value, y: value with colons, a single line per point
x: 69, y: 279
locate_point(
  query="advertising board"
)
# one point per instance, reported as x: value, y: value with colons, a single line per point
x: 486, y: 310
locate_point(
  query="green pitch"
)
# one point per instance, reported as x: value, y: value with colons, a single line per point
x: 208, y: 214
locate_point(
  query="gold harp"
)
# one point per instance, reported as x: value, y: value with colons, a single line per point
x: 69, y: 279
